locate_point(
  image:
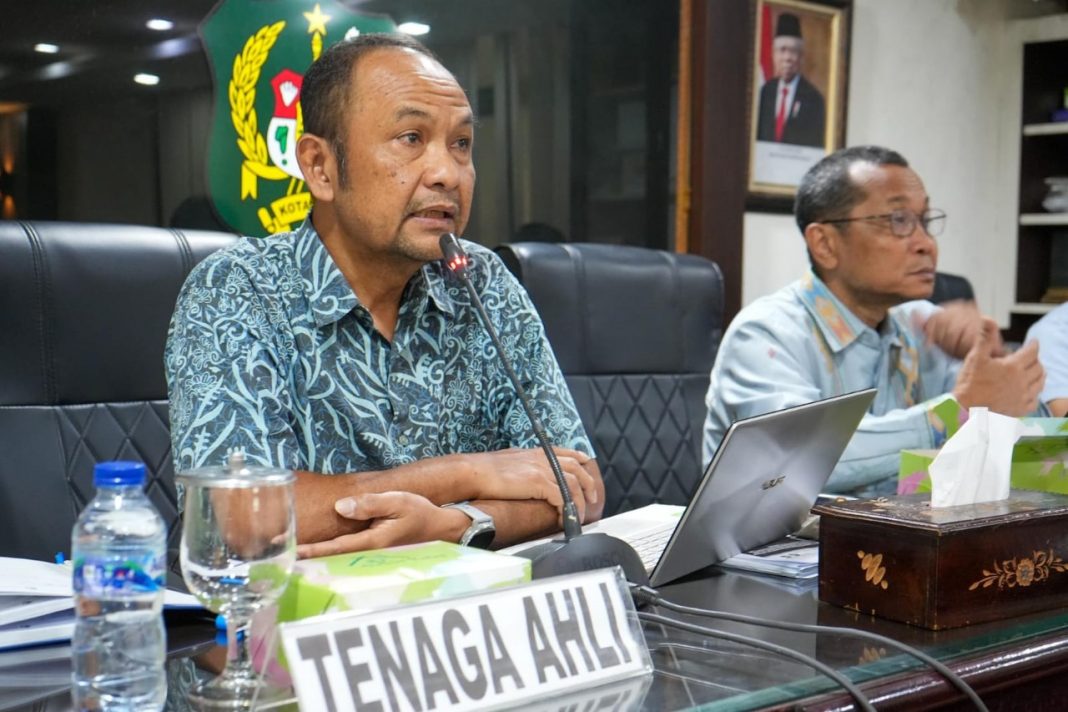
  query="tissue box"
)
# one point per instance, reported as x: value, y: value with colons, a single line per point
x: 1038, y: 462
x: 897, y: 558
x: 367, y: 580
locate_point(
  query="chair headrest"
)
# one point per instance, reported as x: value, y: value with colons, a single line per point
x: 950, y: 287
x: 86, y: 308
x: 611, y: 309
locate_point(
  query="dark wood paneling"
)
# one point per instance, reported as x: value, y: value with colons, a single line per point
x: 720, y: 137
x: 723, y: 40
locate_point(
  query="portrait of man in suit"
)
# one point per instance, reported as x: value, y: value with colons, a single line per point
x: 792, y: 110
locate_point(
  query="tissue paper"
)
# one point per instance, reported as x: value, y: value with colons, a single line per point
x: 975, y: 464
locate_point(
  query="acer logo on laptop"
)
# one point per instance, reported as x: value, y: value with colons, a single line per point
x: 768, y: 484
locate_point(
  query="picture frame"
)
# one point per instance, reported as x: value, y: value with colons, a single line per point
x: 799, y: 66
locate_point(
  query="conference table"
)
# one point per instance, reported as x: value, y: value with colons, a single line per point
x: 1017, y: 663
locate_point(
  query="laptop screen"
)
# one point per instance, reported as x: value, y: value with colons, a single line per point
x: 761, y: 482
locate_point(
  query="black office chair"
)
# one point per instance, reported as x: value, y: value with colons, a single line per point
x: 84, y: 321
x: 635, y: 331
x: 951, y: 287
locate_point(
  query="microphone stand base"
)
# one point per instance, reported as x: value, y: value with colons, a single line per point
x: 585, y: 552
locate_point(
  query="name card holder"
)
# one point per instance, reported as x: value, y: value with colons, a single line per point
x: 502, y: 647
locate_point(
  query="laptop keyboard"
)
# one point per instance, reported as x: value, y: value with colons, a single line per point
x: 646, y: 529
x: 650, y: 545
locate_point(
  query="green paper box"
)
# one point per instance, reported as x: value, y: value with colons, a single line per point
x: 1039, y: 462
x: 369, y: 580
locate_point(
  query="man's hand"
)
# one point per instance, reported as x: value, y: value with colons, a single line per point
x: 517, y: 476
x: 395, y: 518
x: 1009, y: 385
x: 956, y: 327
x: 525, y: 474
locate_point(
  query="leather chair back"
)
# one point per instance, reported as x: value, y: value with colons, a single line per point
x: 84, y: 310
x: 635, y: 331
x: 950, y: 287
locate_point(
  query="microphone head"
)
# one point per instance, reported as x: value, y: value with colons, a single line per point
x: 455, y: 257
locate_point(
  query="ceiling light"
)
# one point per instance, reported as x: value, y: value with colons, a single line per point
x: 159, y: 24
x: 413, y: 28
x: 46, y: 48
x: 149, y: 80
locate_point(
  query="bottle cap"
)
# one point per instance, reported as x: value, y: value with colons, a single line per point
x: 119, y: 472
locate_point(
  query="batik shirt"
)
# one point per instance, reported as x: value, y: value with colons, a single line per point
x: 270, y: 350
x: 801, y: 344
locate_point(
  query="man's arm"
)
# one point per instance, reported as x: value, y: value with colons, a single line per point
x: 760, y: 369
x: 517, y: 486
x: 519, y: 521
x: 391, y: 518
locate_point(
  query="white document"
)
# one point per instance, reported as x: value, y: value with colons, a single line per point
x: 27, y: 577
x: 20, y: 608
x: 37, y: 603
x: 792, y: 558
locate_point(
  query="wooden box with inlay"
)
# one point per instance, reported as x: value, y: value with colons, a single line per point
x: 898, y: 558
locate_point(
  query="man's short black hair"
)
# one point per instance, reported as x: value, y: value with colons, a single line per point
x: 326, y: 93
x: 827, y: 191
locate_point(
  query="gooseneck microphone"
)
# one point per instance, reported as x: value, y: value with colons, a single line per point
x: 576, y: 551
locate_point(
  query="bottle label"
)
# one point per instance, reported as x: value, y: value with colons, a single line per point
x: 118, y: 577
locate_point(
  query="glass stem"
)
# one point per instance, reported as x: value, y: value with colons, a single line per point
x: 238, y: 659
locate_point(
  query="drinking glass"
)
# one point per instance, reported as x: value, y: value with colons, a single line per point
x: 238, y: 549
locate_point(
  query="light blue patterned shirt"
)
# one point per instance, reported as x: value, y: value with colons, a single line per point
x: 270, y: 350
x: 802, y: 344
x: 1051, y: 331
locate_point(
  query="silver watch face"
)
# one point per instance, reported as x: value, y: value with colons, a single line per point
x: 479, y: 534
x: 482, y: 530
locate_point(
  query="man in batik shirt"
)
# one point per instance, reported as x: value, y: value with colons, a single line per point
x: 344, y: 351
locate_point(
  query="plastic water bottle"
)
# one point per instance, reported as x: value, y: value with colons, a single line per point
x: 119, y: 551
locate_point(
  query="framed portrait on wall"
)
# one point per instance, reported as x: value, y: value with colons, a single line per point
x: 797, y: 102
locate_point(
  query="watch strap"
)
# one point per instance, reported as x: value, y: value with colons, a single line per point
x: 482, y: 530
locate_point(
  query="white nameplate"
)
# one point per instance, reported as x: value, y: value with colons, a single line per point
x: 478, y: 651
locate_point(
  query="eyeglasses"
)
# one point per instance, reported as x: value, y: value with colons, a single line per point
x: 903, y: 222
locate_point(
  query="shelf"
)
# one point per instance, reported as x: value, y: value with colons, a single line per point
x: 1041, y: 236
x: 1033, y: 308
x: 1044, y: 218
x: 1059, y: 127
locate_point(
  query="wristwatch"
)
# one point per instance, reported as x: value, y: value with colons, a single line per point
x: 481, y: 532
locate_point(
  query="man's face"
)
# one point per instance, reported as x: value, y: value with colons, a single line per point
x: 875, y: 266
x: 408, y: 142
x: 787, y: 55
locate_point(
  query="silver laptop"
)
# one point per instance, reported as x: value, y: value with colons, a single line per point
x: 759, y: 487
x: 761, y: 482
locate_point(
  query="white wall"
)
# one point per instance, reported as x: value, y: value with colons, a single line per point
x: 773, y: 254
x: 930, y: 79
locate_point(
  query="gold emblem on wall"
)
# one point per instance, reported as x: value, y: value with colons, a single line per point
x: 242, y: 93
x: 258, y: 52
x: 873, y: 569
x: 1022, y: 572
